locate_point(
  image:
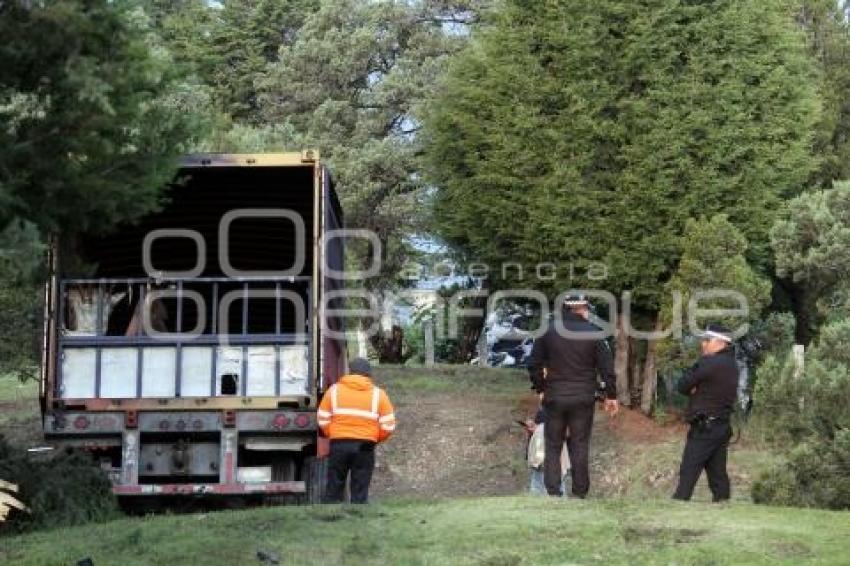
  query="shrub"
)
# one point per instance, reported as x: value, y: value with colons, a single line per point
x: 775, y: 333
x: 813, y: 409
x: 815, y: 402
x: 816, y: 474
x: 60, y: 490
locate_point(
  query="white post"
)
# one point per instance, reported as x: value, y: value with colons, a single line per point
x: 428, y: 331
x: 799, y: 366
x: 799, y: 360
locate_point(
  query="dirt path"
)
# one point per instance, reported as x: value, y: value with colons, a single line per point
x: 447, y: 446
x: 450, y: 446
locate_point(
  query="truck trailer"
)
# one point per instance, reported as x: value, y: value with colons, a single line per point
x: 188, y: 351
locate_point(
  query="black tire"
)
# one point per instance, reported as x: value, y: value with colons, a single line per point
x: 316, y: 477
x: 284, y: 468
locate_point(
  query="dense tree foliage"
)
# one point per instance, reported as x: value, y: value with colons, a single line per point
x: 811, y: 243
x: 92, y: 115
x: 826, y: 25
x: 594, y: 130
x: 349, y: 85
x: 713, y: 257
x: 230, y: 46
x: 21, y: 269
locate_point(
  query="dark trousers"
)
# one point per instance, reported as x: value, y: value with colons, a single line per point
x: 705, y: 449
x: 356, y: 457
x: 577, y: 417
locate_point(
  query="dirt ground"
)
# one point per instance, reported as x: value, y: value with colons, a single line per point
x: 453, y: 446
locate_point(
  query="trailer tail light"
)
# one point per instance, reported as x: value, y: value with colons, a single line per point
x: 302, y: 421
x: 229, y: 418
x: 81, y: 423
x: 164, y: 424
x: 280, y: 421
x: 132, y: 419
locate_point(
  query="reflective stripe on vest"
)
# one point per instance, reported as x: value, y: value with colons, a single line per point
x: 387, y: 422
x: 371, y: 415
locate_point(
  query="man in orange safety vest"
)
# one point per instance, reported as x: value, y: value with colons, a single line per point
x: 356, y: 415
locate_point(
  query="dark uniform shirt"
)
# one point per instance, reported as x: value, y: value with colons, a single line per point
x: 571, y: 364
x: 716, y: 380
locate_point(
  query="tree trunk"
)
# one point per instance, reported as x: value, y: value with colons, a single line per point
x: 650, y: 373
x: 468, y: 347
x: 634, y: 364
x: 805, y: 315
x: 390, y: 349
x: 471, y: 329
x: 621, y: 365
x: 802, y: 317
x: 482, y: 351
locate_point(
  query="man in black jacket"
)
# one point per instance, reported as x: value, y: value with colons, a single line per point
x: 712, y: 387
x: 566, y: 368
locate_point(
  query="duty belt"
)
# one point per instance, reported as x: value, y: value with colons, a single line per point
x: 702, y: 420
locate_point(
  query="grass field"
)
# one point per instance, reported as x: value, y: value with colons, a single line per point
x: 491, y: 531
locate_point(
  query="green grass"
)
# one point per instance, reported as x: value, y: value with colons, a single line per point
x: 650, y: 470
x: 452, y: 379
x: 494, y: 531
x: 18, y: 407
x: 11, y: 389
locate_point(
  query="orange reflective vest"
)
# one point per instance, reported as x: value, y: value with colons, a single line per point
x: 354, y: 408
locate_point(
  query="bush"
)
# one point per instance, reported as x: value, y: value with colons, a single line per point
x: 812, y: 409
x: 414, y: 343
x: 775, y: 333
x: 61, y: 490
x: 817, y: 402
x: 817, y: 474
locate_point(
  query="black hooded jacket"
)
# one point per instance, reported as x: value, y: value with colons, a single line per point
x: 711, y: 385
x: 573, y: 366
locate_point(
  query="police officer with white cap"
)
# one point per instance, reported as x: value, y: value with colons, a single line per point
x: 712, y: 388
x: 567, y: 369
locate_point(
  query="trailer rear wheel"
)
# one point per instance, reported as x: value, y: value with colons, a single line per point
x: 284, y: 468
x: 316, y: 474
